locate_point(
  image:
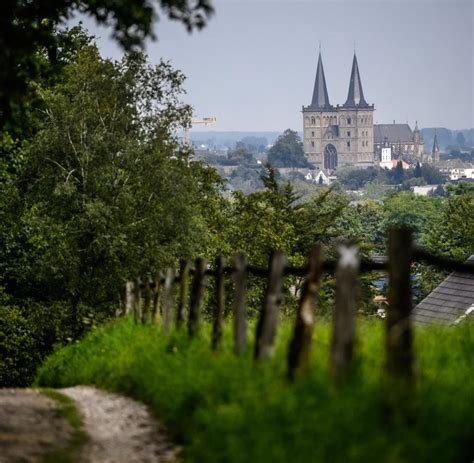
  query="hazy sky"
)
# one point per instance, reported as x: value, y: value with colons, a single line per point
x: 253, y: 66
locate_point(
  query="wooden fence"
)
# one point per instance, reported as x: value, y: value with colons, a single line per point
x: 143, y: 298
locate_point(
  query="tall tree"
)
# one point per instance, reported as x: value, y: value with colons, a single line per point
x: 106, y: 191
x: 417, y: 173
x: 287, y: 151
x: 460, y: 139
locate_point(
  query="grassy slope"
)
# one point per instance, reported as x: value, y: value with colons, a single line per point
x: 68, y: 409
x: 227, y: 409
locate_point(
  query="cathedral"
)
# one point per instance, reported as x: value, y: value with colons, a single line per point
x: 335, y: 136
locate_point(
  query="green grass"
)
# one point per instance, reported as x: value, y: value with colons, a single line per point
x: 67, y: 409
x: 223, y: 408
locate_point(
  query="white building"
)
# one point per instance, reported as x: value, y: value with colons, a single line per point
x: 386, y: 155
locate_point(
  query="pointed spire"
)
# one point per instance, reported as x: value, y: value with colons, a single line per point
x: 320, y: 92
x: 355, y: 96
x: 435, y: 144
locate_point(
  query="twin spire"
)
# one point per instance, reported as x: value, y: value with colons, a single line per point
x: 355, y: 96
x: 320, y: 92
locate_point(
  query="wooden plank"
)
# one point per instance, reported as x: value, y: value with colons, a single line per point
x: 300, y: 346
x: 168, y: 300
x: 240, y: 307
x: 342, y: 344
x: 399, y: 335
x: 268, y: 320
x: 197, y: 294
x: 183, y: 292
x: 218, y: 315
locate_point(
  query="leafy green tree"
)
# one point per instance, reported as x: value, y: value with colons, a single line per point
x: 398, y: 173
x: 241, y: 156
x: 416, y: 212
x: 460, y: 139
x: 354, y: 179
x: 452, y: 234
x: 106, y: 192
x: 432, y: 175
x: 287, y: 151
x: 417, y: 173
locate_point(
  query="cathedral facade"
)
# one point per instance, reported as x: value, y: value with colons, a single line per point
x: 335, y: 136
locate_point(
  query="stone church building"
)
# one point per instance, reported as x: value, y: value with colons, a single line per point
x: 335, y: 136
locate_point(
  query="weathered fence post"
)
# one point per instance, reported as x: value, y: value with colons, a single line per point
x: 399, y: 337
x: 156, y: 298
x: 183, y: 292
x: 300, y: 346
x: 137, y: 301
x: 342, y: 345
x: 128, y: 297
x: 240, y: 309
x: 168, y: 300
x: 147, y: 300
x: 268, y: 321
x: 218, y: 315
x: 197, y: 294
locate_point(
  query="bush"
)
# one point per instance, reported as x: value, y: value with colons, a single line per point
x: 18, y: 354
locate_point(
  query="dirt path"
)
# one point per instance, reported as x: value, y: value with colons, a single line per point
x: 31, y: 426
x: 119, y: 429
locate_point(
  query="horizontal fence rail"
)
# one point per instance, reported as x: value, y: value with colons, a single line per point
x: 149, y: 299
x: 376, y: 264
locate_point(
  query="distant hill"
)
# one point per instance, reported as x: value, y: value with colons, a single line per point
x: 446, y: 137
x: 229, y: 139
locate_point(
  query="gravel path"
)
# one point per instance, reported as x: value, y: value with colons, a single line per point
x: 31, y: 426
x: 120, y: 429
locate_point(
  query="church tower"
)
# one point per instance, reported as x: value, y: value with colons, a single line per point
x: 341, y: 135
x: 435, y: 150
x: 418, y: 142
x: 320, y: 123
x: 356, y: 124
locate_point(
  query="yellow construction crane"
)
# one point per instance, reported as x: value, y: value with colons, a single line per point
x: 205, y: 121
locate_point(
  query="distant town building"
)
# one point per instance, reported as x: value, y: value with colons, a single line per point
x: 424, y: 190
x: 451, y: 302
x: 322, y: 177
x: 456, y: 169
x: 386, y: 155
x: 404, y: 142
x: 335, y: 136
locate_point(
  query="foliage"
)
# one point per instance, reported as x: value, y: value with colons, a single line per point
x: 452, y: 234
x: 417, y: 173
x: 18, y: 357
x: 354, y: 179
x: 30, y: 42
x: 241, y: 156
x: 432, y: 175
x: 224, y: 408
x: 287, y: 151
x: 416, y: 212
